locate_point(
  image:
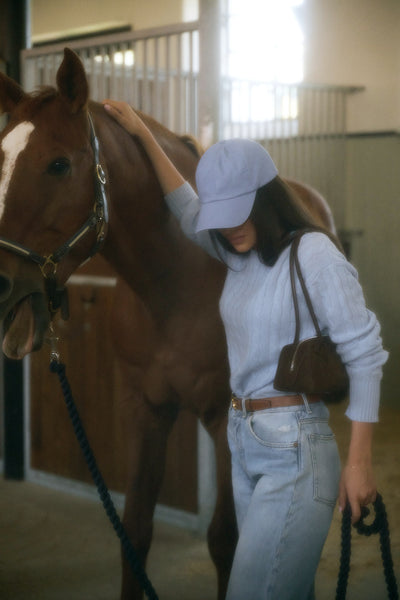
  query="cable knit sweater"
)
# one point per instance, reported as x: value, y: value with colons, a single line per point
x: 257, y: 311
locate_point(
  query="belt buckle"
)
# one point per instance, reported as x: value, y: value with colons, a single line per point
x: 236, y: 404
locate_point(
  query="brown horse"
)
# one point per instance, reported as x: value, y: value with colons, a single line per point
x: 170, y: 341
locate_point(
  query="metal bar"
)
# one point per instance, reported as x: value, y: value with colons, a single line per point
x: 168, y: 89
x: 113, y: 86
x: 133, y: 86
x: 112, y: 38
x: 156, y: 90
x: 190, y: 115
x: 179, y: 102
x: 92, y: 69
x: 210, y: 72
x: 101, y: 82
x: 127, y: 70
x: 145, y: 79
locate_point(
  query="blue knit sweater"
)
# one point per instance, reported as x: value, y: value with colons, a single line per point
x: 256, y: 306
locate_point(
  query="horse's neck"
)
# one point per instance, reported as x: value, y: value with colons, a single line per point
x: 144, y: 243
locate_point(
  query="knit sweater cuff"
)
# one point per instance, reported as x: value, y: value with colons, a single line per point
x: 364, y: 398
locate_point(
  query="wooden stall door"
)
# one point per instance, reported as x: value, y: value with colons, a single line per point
x: 87, y: 352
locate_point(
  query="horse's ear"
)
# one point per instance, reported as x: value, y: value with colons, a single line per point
x: 11, y: 94
x: 71, y: 81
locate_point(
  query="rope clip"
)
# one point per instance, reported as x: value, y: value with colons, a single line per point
x: 52, y: 339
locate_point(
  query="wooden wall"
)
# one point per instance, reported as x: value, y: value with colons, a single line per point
x: 55, y: 19
x: 87, y: 351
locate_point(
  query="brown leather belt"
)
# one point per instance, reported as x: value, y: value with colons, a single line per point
x: 250, y: 404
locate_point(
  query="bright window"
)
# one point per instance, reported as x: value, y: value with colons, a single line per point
x: 265, y: 40
x: 264, y: 55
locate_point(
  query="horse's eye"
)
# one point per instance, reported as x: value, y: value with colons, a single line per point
x: 59, y: 166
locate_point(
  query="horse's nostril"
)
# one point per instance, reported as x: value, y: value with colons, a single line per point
x: 5, y: 286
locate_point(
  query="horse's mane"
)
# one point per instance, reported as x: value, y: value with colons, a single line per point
x: 44, y: 92
x: 192, y: 144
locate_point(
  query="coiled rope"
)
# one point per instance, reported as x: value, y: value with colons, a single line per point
x: 128, y: 549
x: 380, y: 525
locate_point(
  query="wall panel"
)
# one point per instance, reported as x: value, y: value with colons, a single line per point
x: 373, y: 181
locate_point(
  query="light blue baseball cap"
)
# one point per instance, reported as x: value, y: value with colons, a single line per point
x: 227, y: 177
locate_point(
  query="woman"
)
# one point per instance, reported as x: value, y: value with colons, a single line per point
x: 285, y: 464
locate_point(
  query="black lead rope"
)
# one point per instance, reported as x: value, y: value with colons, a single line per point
x: 129, y: 550
x: 381, y: 526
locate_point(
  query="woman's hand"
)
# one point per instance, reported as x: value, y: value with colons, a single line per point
x: 168, y: 175
x: 125, y: 116
x: 357, y: 487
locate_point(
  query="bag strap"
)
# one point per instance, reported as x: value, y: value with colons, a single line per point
x: 295, y: 264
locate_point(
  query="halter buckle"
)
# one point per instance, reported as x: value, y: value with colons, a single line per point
x: 49, y: 267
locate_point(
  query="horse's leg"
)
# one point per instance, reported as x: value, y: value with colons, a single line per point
x: 146, y: 430
x: 222, y: 532
x: 145, y: 425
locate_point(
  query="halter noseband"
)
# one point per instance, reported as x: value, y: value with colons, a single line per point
x: 98, y: 221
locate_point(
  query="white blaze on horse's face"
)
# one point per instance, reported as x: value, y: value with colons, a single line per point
x: 12, y: 145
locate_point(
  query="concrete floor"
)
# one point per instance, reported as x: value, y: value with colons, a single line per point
x: 54, y: 546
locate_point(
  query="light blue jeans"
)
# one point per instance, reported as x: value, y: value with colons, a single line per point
x: 285, y: 469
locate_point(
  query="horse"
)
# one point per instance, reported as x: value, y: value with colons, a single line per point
x: 64, y: 160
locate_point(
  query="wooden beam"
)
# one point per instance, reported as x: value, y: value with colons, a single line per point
x: 14, y: 34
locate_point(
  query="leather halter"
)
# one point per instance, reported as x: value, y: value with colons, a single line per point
x: 97, y: 220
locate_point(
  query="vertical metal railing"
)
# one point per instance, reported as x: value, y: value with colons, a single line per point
x: 156, y: 70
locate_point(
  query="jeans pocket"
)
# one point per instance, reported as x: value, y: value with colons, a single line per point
x: 275, y: 430
x: 326, y: 467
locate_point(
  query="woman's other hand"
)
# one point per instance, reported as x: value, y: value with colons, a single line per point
x: 358, y: 488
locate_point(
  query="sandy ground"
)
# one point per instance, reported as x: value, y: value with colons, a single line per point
x: 55, y: 546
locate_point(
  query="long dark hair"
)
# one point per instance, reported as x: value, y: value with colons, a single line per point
x: 277, y: 214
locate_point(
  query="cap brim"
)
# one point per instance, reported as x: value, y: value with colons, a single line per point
x: 221, y: 214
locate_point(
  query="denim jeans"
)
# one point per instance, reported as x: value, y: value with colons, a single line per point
x: 285, y: 471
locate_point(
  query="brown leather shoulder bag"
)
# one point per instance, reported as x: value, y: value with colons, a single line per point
x: 310, y: 366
